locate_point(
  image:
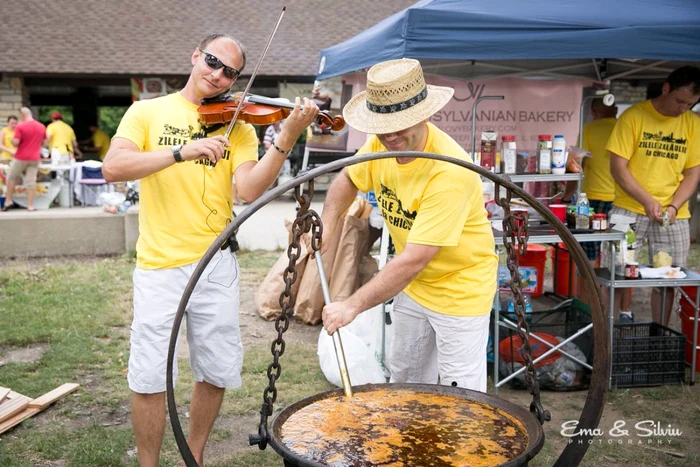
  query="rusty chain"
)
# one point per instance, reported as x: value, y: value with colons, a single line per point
x: 515, y: 231
x: 306, y: 221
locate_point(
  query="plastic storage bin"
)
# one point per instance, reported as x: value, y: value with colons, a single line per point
x: 647, y: 354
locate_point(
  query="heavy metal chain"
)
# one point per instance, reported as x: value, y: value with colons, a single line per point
x: 515, y: 230
x: 306, y: 220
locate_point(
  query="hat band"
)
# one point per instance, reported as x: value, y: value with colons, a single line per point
x: 399, y: 106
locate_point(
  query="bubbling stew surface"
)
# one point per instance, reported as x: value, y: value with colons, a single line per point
x: 394, y: 428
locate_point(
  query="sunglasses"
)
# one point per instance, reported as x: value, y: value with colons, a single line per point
x: 214, y: 63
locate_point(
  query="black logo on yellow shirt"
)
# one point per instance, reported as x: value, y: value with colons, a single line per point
x: 173, y: 136
x: 393, y: 210
x: 661, y: 145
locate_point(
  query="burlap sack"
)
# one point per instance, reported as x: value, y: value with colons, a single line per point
x: 267, y: 296
x: 309, y: 305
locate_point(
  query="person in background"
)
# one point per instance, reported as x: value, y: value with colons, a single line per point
x: 271, y: 133
x: 99, y: 142
x: 62, y: 139
x: 7, y: 149
x: 598, y: 183
x: 444, y: 275
x: 29, y: 137
x: 655, y: 161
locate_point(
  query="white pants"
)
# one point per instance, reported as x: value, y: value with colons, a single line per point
x: 429, y: 346
x: 213, y: 335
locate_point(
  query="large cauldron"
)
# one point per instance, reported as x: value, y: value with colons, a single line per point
x: 595, y: 402
x: 416, y: 445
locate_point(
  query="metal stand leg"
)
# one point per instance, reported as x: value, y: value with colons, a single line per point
x: 695, y: 335
x: 611, y: 311
x: 496, y: 329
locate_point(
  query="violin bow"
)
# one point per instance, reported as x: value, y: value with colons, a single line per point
x: 252, y: 77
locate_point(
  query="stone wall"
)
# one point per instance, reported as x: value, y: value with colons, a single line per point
x: 13, y: 95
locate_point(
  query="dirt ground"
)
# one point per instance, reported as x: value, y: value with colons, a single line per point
x: 564, y: 406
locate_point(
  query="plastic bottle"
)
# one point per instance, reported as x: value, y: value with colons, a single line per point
x: 582, y: 208
x: 559, y: 155
x: 527, y: 301
x: 508, y: 154
x: 123, y: 207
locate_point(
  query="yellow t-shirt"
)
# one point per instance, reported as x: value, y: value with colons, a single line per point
x: 658, y: 148
x: 101, y: 140
x: 8, y: 134
x: 598, y: 183
x: 184, y: 207
x: 431, y: 202
x: 61, y: 137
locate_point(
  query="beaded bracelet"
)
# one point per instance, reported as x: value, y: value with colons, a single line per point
x: 280, y: 150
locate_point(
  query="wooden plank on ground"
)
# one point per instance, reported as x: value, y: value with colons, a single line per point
x: 4, y: 393
x: 14, y: 404
x: 37, y: 405
x: 52, y: 396
x: 18, y: 418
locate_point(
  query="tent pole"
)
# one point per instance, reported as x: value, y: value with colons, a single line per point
x: 476, y: 102
x: 643, y: 67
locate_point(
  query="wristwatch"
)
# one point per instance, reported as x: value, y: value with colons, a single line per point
x: 176, y: 152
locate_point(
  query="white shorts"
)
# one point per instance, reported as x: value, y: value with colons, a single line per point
x: 213, y: 335
x: 428, y: 346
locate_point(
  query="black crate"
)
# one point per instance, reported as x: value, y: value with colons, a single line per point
x: 647, y: 354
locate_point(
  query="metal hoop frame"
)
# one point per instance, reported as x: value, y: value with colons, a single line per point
x: 595, y: 401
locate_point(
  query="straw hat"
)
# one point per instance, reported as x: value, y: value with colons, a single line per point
x: 396, y: 98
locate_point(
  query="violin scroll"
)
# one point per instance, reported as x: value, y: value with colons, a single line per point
x: 336, y: 123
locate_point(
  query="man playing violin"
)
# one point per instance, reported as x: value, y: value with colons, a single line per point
x: 185, y: 202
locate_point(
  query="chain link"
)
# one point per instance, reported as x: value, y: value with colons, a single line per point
x: 515, y: 231
x: 306, y: 220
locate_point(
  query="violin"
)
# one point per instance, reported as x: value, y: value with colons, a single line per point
x: 256, y: 110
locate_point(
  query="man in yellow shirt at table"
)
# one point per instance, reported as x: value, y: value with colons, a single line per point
x: 100, y: 141
x: 655, y: 161
x: 62, y: 139
x: 7, y: 149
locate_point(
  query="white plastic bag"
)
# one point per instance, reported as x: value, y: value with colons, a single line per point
x: 363, y: 368
x: 370, y: 325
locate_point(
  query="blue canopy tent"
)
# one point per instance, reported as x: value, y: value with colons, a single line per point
x: 601, y: 39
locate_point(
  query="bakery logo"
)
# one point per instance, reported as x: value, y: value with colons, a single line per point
x: 661, y: 145
x: 474, y: 91
x: 393, y: 210
x: 642, y: 433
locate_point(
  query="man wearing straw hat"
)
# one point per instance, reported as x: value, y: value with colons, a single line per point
x: 445, y: 273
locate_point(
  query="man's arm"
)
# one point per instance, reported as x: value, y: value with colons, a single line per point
x: 252, y: 179
x: 623, y: 177
x: 125, y: 162
x: 391, y: 280
x: 685, y: 190
x: 76, y: 149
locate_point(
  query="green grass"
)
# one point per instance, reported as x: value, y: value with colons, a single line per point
x: 301, y: 377
x: 81, y: 313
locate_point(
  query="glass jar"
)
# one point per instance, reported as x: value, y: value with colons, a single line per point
x: 544, y: 154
